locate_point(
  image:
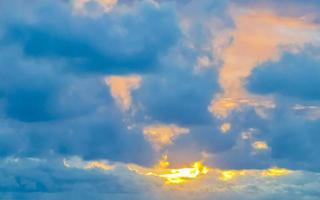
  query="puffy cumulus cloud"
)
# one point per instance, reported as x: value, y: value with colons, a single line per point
x: 121, y: 87
x: 50, y: 179
x: 118, y: 41
x: 294, y: 75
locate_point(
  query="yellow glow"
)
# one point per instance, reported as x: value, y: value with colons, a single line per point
x: 100, y: 165
x: 184, y: 174
x: 226, y: 175
x: 275, y: 171
x: 260, y: 145
x: 172, y: 176
x: 163, y: 163
x: 197, y: 170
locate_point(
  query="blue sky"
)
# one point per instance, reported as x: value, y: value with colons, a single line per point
x: 100, y: 98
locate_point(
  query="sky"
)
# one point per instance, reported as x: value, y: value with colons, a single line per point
x: 160, y: 99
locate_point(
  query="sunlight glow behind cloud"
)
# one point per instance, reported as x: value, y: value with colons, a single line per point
x: 159, y: 99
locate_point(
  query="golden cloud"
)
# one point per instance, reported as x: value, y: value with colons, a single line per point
x: 160, y: 134
x: 121, y: 87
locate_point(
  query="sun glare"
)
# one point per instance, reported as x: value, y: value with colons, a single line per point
x: 197, y: 169
x: 173, y: 175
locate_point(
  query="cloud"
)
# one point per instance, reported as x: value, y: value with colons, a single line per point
x: 81, y: 5
x: 292, y: 140
x: 260, y: 145
x: 114, y: 44
x: 48, y: 113
x: 121, y: 87
x: 50, y: 179
x: 294, y: 75
x: 93, y: 136
x: 225, y: 127
x: 30, y: 93
x: 161, y: 135
x: 54, y: 100
x: 272, y: 33
x: 69, y: 71
x: 292, y: 129
x: 167, y: 99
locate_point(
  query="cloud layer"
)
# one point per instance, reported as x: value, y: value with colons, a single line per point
x: 91, y: 87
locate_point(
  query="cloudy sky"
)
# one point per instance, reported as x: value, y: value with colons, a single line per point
x: 160, y: 99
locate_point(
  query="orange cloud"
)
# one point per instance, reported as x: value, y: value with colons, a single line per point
x: 121, y: 87
x: 161, y: 135
x: 260, y: 145
x: 258, y: 36
x: 225, y: 127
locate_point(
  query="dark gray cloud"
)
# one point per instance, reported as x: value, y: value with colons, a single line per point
x: 42, y: 41
x: 295, y: 75
x: 92, y: 136
x: 293, y: 139
x: 45, y: 109
x: 294, y: 79
x: 182, y: 100
x: 114, y: 42
x: 49, y: 179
